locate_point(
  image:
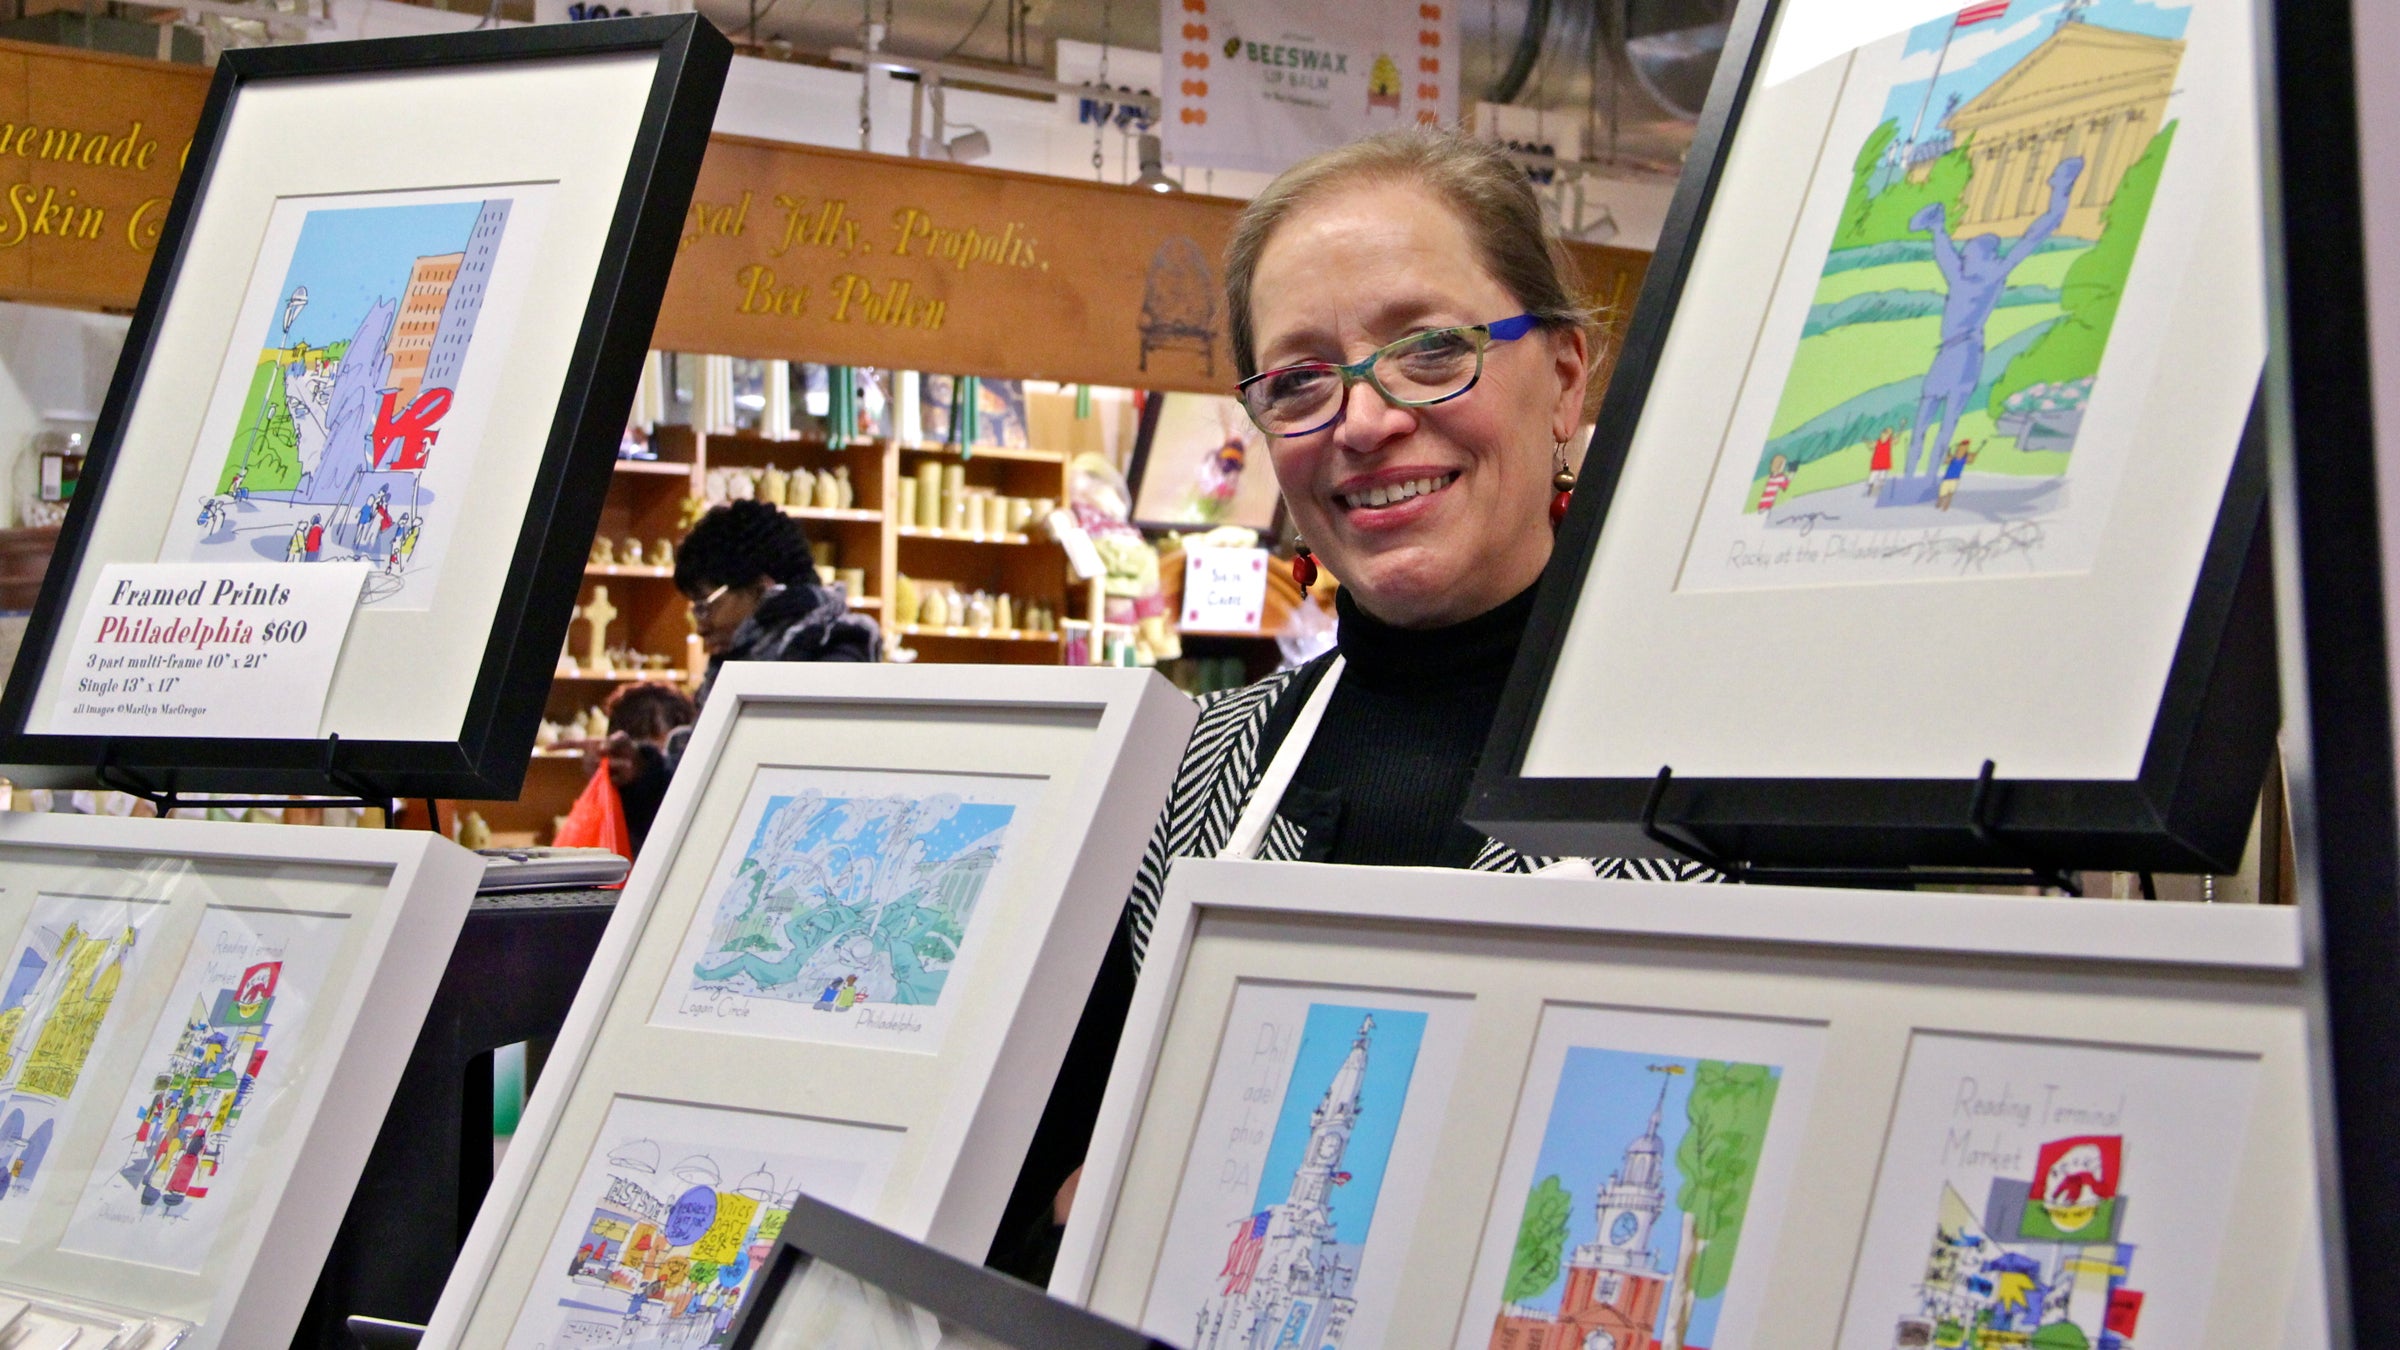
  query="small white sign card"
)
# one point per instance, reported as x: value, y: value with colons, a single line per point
x: 1224, y: 589
x: 208, y: 649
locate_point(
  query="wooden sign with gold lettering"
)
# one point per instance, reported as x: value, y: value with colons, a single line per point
x: 831, y: 255
x: 90, y: 148
x: 836, y: 256
x: 790, y: 251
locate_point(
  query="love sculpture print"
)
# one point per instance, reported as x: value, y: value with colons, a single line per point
x: 351, y: 431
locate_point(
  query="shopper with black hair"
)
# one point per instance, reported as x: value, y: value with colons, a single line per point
x: 755, y: 596
x: 752, y: 583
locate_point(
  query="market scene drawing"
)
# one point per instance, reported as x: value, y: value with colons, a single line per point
x: 72, y: 958
x: 1954, y: 340
x: 668, y: 1251
x: 221, y: 1052
x: 2039, y: 1195
x: 343, y: 414
x: 2035, y: 1261
x: 844, y: 903
x: 675, y: 1215
x: 197, y: 1095
x: 1628, y: 1238
x: 1291, y: 1265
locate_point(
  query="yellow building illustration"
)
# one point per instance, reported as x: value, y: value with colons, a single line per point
x: 92, y: 969
x: 2086, y: 90
x: 10, y: 1022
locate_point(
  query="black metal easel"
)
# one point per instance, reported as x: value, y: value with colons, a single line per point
x: 346, y: 788
x: 1981, y: 823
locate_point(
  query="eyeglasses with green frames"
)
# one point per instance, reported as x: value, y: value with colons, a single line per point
x: 1418, y: 371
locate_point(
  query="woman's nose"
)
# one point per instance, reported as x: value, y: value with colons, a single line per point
x: 1368, y: 420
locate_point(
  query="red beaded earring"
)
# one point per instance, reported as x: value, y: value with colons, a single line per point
x: 1564, y: 481
x: 1304, y: 565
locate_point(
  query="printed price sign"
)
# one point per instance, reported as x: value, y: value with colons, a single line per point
x: 1224, y: 590
x: 208, y: 649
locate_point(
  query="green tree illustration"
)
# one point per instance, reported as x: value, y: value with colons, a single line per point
x: 2094, y: 285
x: 2061, y: 1336
x: 1870, y: 217
x: 1862, y: 174
x: 1718, y: 1158
x: 1541, y: 1241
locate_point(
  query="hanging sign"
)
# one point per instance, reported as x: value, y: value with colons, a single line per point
x: 832, y: 255
x: 790, y: 251
x: 208, y: 649
x: 90, y: 148
x: 1260, y: 84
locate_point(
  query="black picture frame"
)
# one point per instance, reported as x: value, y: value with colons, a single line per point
x: 489, y: 755
x: 994, y: 1306
x: 2211, y: 741
x: 2327, y: 303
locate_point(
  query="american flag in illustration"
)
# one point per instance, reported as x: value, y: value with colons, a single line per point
x: 1241, y: 1259
x: 1988, y: 10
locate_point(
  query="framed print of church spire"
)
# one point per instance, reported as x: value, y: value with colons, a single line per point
x: 1930, y: 481
x: 408, y: 359
x: 1372, y: 1106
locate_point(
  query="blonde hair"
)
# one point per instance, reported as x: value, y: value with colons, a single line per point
x: 1488, y: 192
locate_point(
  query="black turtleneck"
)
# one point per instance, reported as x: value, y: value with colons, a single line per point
x: 1383, y: 782
x: 1387, y: 774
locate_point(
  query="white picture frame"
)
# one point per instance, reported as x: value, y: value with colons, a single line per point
x: 359, y: 923
x: 1840, y: 1197
x: 1068, y: 768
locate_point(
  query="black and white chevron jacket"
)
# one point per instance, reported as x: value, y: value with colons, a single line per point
x: 1221, y: 766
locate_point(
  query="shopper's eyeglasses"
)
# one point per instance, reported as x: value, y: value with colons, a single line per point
x: 1417, y: 371
x: 701, y: 606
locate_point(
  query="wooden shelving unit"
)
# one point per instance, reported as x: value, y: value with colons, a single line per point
x: 646, y: 502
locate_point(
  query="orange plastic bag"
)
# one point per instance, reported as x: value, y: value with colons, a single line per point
x: 598, y: 819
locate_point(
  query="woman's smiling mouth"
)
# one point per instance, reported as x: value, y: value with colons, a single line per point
x: 1393, y: 494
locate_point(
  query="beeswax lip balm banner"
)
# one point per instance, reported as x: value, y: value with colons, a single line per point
x: 1259, y: 84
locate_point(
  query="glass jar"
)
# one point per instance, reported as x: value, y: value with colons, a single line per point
x: 46, y: 476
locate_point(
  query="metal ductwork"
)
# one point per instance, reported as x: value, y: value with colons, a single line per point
x: 1670, y: 49
x: 1654, y: 58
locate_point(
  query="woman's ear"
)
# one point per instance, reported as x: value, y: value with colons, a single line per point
x: 1571, y: 362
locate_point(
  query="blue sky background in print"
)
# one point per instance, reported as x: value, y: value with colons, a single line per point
x: 1325, y: 1042
x: 349, y: 259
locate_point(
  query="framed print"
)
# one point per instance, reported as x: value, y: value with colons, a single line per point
x: 836, y: 1280
x: 202, y: 1026
x: 1198, y: 462
x: 836, y: 972
x: 412, y: 365
x: 1369, y: 1106
x: 1933, y: 445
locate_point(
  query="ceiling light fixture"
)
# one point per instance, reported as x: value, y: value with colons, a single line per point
x: 1154, y: 169
x: 969, y: 146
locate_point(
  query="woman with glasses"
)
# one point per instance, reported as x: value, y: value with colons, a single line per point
x: 1411, y: 343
